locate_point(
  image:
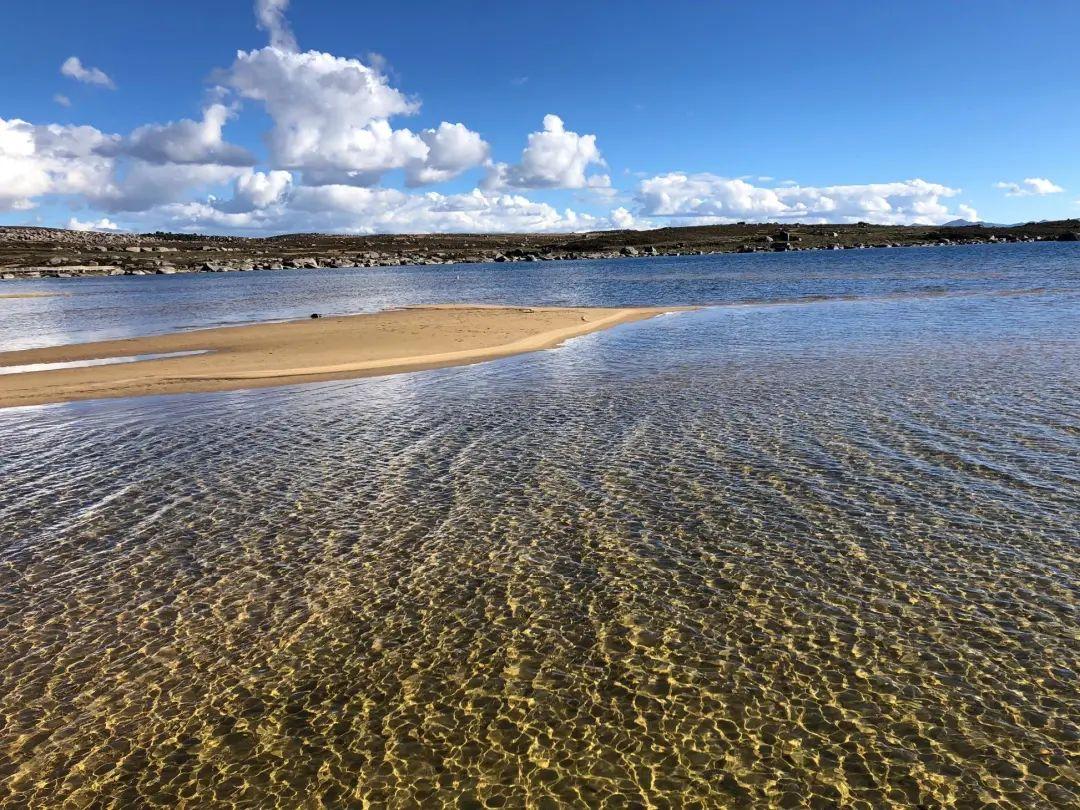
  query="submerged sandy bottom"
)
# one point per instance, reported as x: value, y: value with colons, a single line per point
x: 271, y: 354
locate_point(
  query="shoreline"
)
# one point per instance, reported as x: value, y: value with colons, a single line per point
x: 279, y: 353
x: 33, y: 253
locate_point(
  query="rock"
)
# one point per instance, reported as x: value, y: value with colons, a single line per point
x: 1069, y: 236
x: 500, y: 258
x: 166, y: 271
x: 7, y: 276
x: 55, y: 260
x: 629, y: 251
x: 133, y: 249
x: 208, y: 267
x: 315, y: 316
x: 165, y: 250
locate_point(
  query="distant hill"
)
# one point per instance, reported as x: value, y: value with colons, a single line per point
x: 967, y: 223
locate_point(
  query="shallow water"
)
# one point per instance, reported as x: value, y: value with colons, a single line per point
x: 818, y: 547
x: 104, y: 361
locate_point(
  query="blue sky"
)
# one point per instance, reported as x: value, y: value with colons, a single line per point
x: 417, y: 116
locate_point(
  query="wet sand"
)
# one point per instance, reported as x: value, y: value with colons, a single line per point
x: 313, y: 350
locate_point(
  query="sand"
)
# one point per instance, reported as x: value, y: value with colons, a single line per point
x: 285, y: 353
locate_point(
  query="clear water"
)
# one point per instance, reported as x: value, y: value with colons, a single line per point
x: 816, y: 546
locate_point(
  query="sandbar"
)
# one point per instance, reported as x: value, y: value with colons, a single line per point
x: 313, y: 350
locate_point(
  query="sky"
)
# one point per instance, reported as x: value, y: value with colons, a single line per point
x: 272, y: 116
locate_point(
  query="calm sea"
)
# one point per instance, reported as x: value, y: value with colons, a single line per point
x: 815, y: 545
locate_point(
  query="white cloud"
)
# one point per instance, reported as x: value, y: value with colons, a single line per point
x: 103, y: 224
x: 329, y: 112
x: 332, y: 141
x: 188, y: 141
x: 967, y: 212
x: 73, y: 68
x: 257, y: 190
x: 696, y: 196
x: 625, y: 221
x: 355, y: 209
x: 1029, y: 187
x: 143, y: 186
x: 452, y: 149
x: 553, y: 158
x: 52, y: 159
x: 62, y: 100
x: 331, y: 121
x: 270, y: 17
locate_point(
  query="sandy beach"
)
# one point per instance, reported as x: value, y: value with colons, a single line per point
x: 284, y: 353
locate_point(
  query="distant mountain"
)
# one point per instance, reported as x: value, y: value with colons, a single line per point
x: 966, y: 223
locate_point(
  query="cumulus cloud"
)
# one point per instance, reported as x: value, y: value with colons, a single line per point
x: 625, y: 221
x: 257, y: 190
x: 693, y: 197
x: 188, y: 141
x: 1030, y: 187
x: 331, y: 121
x: 332, y: 141
x: 144, y: 186
x: 968, y: 213
x: 355, y: 209
x: 73, y: 68
x: 270, y: 17
x: 104, y: 224
x: 553, y: 158
x: 451, y: 150
x: 51, y: 159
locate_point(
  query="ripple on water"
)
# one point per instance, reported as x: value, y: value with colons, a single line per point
x: 714, y: 560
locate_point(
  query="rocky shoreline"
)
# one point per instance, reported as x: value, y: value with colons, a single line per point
x: 30, y: 252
